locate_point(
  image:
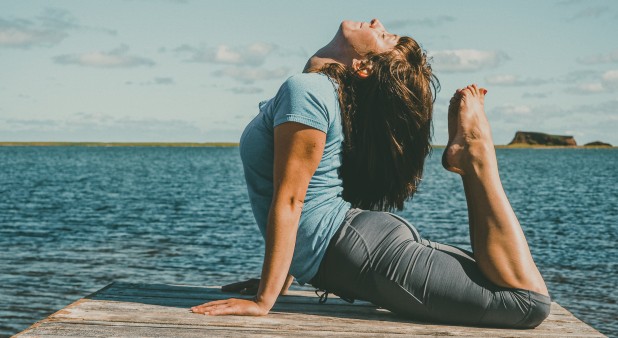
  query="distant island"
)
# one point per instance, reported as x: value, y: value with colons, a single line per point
x: 542, y: 139
x: 535, y: 139
x: 598, y: 144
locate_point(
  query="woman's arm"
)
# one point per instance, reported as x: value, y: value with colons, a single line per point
x: 298, y: 151
x: 286, y: 286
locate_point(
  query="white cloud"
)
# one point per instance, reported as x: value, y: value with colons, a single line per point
x: 425, y: 22
x: 46, y: 30
x: 250, y: 75
x: 179, y: 2
x: 579, y: 75
x: 513, y: 80
x: 610, y: 80
x: 253, y: 54
x: 466, y: 60
x: 222, y: 134
x: 24, y: 34
x: 246, y: 90
x: 21, y: 123
x: 87, y: 119
x: 591, y: 12
x: 535, y: 95
x: 569, y: 2
x: 116, y: 58
x: 591, y: 87
x: 163, y: 81
x: 100, y: 127
x: 611, y: 57
x: 606, y: 83
x: 505, y: 79
x: 512, y: 109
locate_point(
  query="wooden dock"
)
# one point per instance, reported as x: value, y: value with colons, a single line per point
x: 149, y: 310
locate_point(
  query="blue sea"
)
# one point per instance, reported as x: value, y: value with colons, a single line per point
x: 74, y: 219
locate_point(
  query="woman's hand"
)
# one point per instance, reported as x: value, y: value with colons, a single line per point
x: 232, y: 306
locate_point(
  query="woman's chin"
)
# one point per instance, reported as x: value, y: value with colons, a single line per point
x: 349, y: 24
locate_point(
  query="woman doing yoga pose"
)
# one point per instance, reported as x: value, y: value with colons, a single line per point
x: 343, y: 143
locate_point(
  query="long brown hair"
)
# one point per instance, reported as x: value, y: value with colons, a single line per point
x: 387, y: 127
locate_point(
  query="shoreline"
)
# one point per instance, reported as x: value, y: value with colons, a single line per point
x: 236, y: 144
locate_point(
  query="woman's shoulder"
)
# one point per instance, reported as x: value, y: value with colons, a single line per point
x: 309, y: 82
x: 308, y: 98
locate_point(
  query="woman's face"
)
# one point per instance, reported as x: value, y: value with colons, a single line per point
x: 365, y: 37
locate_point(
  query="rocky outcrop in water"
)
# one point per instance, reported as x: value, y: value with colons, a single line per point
x: 597, y: 144
x: 542, y: 139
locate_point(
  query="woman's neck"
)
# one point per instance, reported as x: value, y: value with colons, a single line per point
x: 336, y: 51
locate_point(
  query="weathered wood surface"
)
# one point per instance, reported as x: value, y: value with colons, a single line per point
x: 132, y: 310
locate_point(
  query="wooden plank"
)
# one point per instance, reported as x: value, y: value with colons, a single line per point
x: 123, y: 309
x: 132, y: 330
x: 157, y: 315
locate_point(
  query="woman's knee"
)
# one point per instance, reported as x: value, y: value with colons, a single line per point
x: 516, y: 308
x: 540, y: 306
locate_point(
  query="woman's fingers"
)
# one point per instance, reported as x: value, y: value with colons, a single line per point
x: 216, y: 302
x: 219, y: 310
x: 232, y: 306
x: 206, y: 306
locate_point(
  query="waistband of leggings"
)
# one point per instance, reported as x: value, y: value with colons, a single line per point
x: 351, y: 213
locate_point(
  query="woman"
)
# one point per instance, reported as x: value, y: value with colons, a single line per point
x: 352, y: 133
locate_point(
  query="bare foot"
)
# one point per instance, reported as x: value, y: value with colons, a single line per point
x: 468, y: 129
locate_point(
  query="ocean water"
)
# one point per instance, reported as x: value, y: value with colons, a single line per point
x: 74, y: 219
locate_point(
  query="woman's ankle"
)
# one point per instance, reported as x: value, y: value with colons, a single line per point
x: 480, y: 157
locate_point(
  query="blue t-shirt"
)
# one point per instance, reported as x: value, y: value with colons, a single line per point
x: 310, y: 99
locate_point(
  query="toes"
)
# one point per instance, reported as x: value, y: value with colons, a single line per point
x: 474, y: 89
x: 466, y: 91
x: 457, y: 94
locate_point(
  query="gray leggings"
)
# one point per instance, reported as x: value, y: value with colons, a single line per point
x: 379, y: 257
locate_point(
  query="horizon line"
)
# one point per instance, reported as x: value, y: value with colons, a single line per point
x: 236, y: 144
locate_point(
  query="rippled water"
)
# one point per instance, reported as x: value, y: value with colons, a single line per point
x: 73, y: 219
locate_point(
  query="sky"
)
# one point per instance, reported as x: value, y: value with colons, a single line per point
x: 195, y: 71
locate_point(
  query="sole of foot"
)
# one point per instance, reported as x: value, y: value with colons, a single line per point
x: 467, y: 124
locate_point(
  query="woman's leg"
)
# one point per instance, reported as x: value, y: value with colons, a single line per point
x: 376, y: 257
x: 498, y: 242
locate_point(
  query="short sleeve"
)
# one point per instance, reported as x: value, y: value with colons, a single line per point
x: 301, y: 99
